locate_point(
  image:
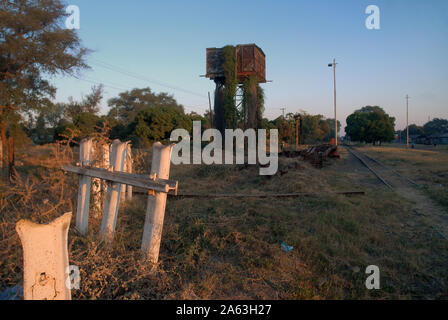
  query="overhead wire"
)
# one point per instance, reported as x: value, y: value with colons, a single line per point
x: 135, y: 75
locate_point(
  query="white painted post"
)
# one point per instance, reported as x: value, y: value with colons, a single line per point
x: 82, y: 214
x: 96, y: 186
x: 155, y: 209
x: 96, y: 189
x: 105, y: 165
x: 123, y: 186
x: 129, y: 170
x: 112, y: 202
x: 45, y: 259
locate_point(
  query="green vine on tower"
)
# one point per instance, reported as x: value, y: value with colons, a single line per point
x: 231, y: 83
x: 235, y: 118
x: 246, y: 112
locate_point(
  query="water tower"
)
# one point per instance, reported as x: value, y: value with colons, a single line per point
x: 250, y: 61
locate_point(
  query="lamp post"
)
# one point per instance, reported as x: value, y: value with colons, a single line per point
x: 335, y: 110
x: 407, y: 121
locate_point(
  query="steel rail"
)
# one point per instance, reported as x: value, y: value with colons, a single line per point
x: 370, y: 168
x: 386, y: 167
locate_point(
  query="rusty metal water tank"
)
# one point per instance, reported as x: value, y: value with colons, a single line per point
x: 250, y: 59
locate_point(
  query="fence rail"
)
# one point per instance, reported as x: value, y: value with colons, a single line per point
x: 136, y: 180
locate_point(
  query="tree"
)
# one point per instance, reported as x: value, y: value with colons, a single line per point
x: 33, y: 41
x: 62, y: 130
x: 330, y: 135
x: 89, y: 103
x: 128, y: 104
x: 284, y: 127
x: 205, y: 122
x: 324, y: 132
x: 315, y: 128
x: 266, y: 124
x: 86, y: 123
x: 413, y: 130
x: 436, y: 126
x: 16, y: 128
x: 156, y: 123
x: 40, y: 131
x: 209, y: 116
x: 53, y: 113
x: 416, y: 130
x: 370, y: 124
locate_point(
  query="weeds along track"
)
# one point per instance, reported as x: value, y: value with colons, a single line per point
x: 402, y: 185
x: 388, y: 176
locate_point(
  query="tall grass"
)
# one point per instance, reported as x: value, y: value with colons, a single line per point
x: 224, y: 248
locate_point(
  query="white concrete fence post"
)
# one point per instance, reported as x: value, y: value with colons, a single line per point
x: 45, y: 259
x: 105, y: 165
x: 129, y: 163
x: 125, y: 169
x: 82, y: 214
x: 112, y: 201
x: 96, y: 186
x: 99, y: 187
x: 155, y: 209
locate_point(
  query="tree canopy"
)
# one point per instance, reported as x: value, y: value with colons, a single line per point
x: 370, y: 124
x: 88, y: 104
x: 54, y: 119
x: 315, y: 128
x: 33, y: 42
x: 416, y: 130
x: 128, y: 104
x: 157, y: 122
x: 436, y: 126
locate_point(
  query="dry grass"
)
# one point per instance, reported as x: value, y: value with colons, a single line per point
x: 230, y: 248
x: 426, y: 165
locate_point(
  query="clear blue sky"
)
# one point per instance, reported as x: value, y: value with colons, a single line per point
x: 166, y: 40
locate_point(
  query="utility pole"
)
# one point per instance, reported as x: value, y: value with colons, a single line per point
x: 335, y: 109
x: 283, y: 112
x: 407, y: 121
x: 296, y: 117
x: 210, y: 110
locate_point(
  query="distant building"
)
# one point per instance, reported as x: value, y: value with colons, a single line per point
x: 418, y: 139
x: 438, y: 138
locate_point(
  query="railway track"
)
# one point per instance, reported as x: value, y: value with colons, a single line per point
x: 406, y: 188
x: 388, y: 176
